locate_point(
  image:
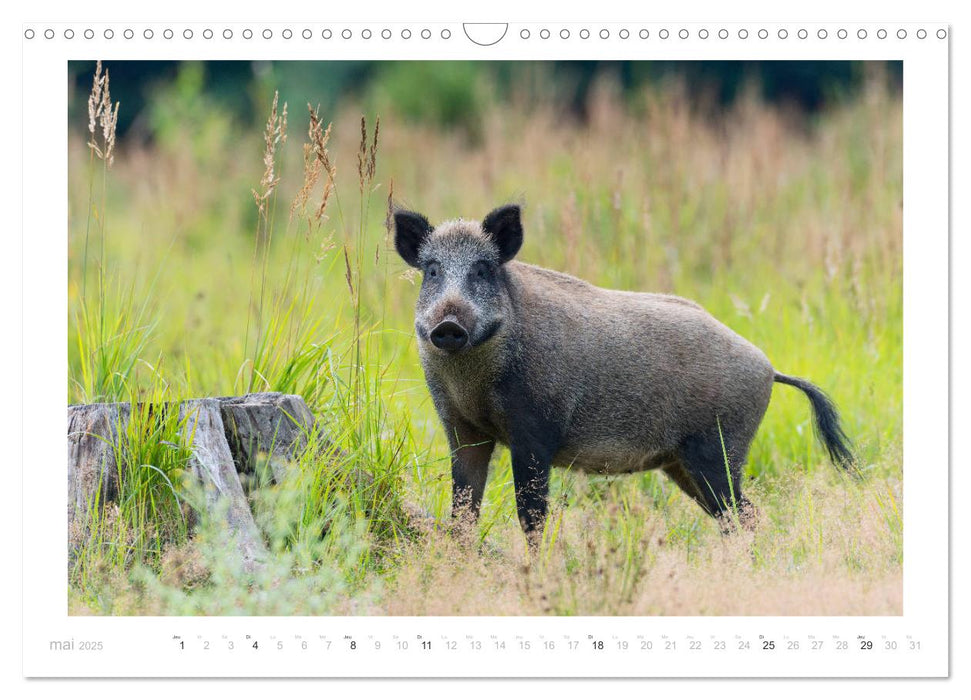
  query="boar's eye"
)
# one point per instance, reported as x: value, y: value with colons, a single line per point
x: 433, y: 270
x: 481, y: 270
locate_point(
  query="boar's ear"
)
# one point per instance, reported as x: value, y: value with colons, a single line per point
x: 506, y: 228
x: 410, y: 231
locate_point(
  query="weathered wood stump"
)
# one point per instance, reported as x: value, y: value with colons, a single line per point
x: 92, y: 433
x: 274, y: 426
x: 228, y: 436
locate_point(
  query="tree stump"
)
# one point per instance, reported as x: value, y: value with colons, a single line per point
x: 92, y: 433
x: 213, y: 465
x: 228, y: 436
x: 268, y: 426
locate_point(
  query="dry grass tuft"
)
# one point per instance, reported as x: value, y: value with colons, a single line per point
x: 317, y: 160
x: 274, y: 134
x: 182, y: 566
x: 367, y: 154
x: 839, y: 561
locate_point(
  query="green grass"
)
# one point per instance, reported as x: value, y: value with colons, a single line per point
x: 790, y: 235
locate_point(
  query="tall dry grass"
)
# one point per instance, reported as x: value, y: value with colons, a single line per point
x: 823, y: 553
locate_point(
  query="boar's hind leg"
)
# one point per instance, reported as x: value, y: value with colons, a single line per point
x: 471, y: 452
x: 679, y: 475
x: 715, y: 485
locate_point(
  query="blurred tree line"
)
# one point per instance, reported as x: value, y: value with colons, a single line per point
x: 449, y: 94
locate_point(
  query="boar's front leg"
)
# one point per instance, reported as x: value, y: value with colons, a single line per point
x: 471, y: 451
x: 533, y: 441
x: 531, y: 477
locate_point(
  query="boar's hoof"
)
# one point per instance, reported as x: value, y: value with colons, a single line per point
x: 744, y: 519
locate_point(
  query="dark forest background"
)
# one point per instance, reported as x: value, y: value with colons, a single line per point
x: 453, y: 94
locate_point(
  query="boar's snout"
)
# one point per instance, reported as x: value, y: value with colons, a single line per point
x: 449, y: 336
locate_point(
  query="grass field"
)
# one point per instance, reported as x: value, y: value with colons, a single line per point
x: 200, y: 264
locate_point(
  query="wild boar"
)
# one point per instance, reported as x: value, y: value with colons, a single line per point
x: 572, y: 375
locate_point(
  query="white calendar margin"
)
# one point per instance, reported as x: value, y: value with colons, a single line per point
x: 144, y: 646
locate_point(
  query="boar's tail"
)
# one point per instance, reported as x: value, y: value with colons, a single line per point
x: 827, y: 423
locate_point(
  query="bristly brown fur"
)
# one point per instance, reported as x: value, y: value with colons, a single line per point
x: 572, y: 375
